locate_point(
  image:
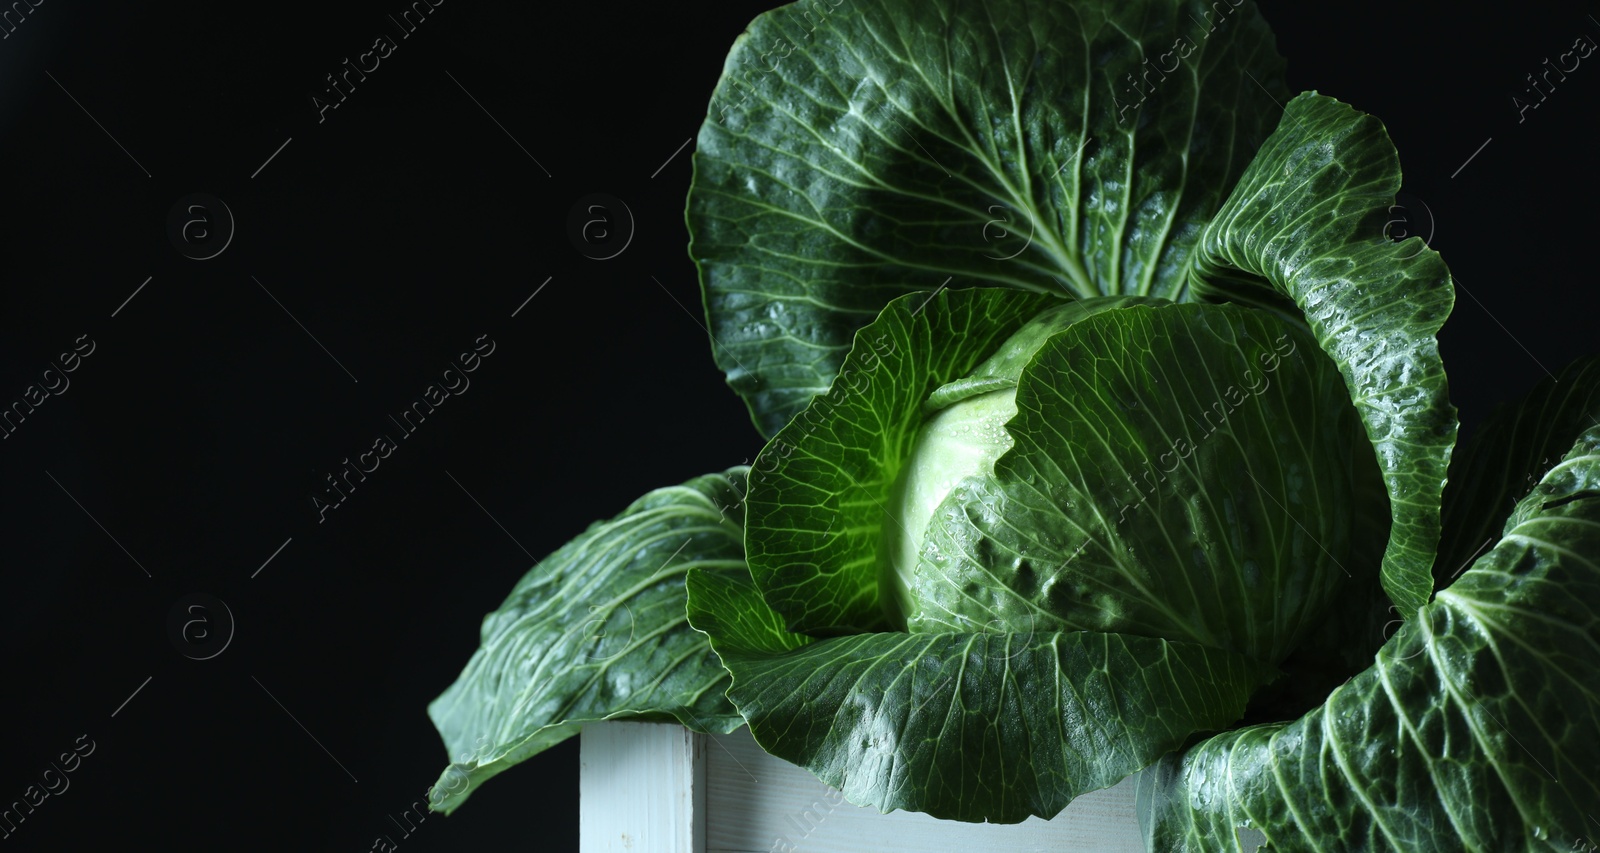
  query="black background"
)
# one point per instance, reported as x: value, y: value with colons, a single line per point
x: 398, y: 230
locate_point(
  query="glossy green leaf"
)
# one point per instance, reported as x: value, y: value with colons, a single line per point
x: 1477, y: 729
x: 1180, y: 471
x: 597, y: 631
x: 972, y: 726
x: 1353, y: 626
x: 1306, y: 222
x: 856, y: 151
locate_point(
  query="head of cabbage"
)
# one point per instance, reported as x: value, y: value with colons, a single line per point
x: 1122, y: 465
x: 1200, y: 489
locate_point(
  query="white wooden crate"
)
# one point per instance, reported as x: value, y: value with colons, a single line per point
x: 654, y: 788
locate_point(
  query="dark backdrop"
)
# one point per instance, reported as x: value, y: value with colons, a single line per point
x: 379, y: 243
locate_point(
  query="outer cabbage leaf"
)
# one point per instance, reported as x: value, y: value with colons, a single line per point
x: 969, y: 726
x: 1354, y: 625
x: 1305, y: 223
x: 597, y: 631
x: 854, y: 152
x: 1477, y: 728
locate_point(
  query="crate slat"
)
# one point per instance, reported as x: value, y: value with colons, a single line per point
x: 641, y: 788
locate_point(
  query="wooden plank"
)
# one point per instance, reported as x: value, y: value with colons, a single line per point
x: 757, y: 803
x: 641, y: 789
